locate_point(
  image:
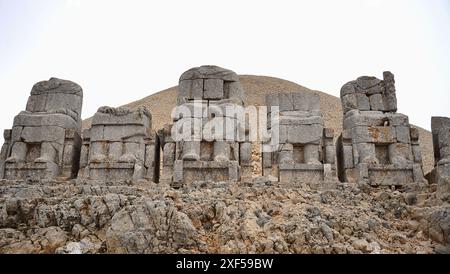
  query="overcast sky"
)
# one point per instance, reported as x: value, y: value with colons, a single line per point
x: 120, y: 51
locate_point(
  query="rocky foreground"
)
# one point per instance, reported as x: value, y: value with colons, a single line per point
x: 254, y: 217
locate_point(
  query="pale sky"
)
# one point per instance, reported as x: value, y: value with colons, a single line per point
x: 120, y: 51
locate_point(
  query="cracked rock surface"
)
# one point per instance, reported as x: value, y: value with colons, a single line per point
x: 219, y: 217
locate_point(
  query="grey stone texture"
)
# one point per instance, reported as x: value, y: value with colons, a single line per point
x: 120, y: 146
x: 377, y: 146
x: 300, y: 149
x: 440, y: 128
x: 370, y: 94
x: 45, y: 139
x: 208, y: 140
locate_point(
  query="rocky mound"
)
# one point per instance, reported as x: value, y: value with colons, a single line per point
x: 260, y: 216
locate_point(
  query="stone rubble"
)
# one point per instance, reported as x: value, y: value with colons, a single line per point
x: 259, y: 216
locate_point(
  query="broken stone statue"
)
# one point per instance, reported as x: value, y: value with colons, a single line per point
x: 299, y: 149
x: 377, y: 146
x: 207, y: 140
x: 45, y: 142
x: 440, y: 128
x: 120, y: 146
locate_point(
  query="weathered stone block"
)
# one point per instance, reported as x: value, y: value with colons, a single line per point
x: 403, y: 134
x: 348, y: 157
x: 267, y: 159
x: 192, y: 89
x: 376, y: 102
x: 304, y: 134
x: 390, y: 176
x: 169, y: 154
x: 443, y: 182
x: 286, y: 102
x: 349, y: 102
x: 246, y: 154
x: 417, y: 154
x: 306, y: 101
x: 234, y: 89
x: 414, y: 134
x: 367, y: 153
x: 444, y: 152
x: 330, y: 154
x: 390, y: 103
x: 400, y: 154
x: 382, y: 135
x: 373, y: 134
x: 213, y: 89
x: 36, y: 120
x: 272, y: 100
x: 362, y: 101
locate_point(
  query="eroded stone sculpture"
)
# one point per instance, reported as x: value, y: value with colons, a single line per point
x: 299, y: 149
x: 440, y: 128
x: 45, y: 142
x: 207, y: 140
x: 377, y: 145
x: 120, y: 146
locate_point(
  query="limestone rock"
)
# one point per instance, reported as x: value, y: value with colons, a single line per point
x: 151, y: 227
